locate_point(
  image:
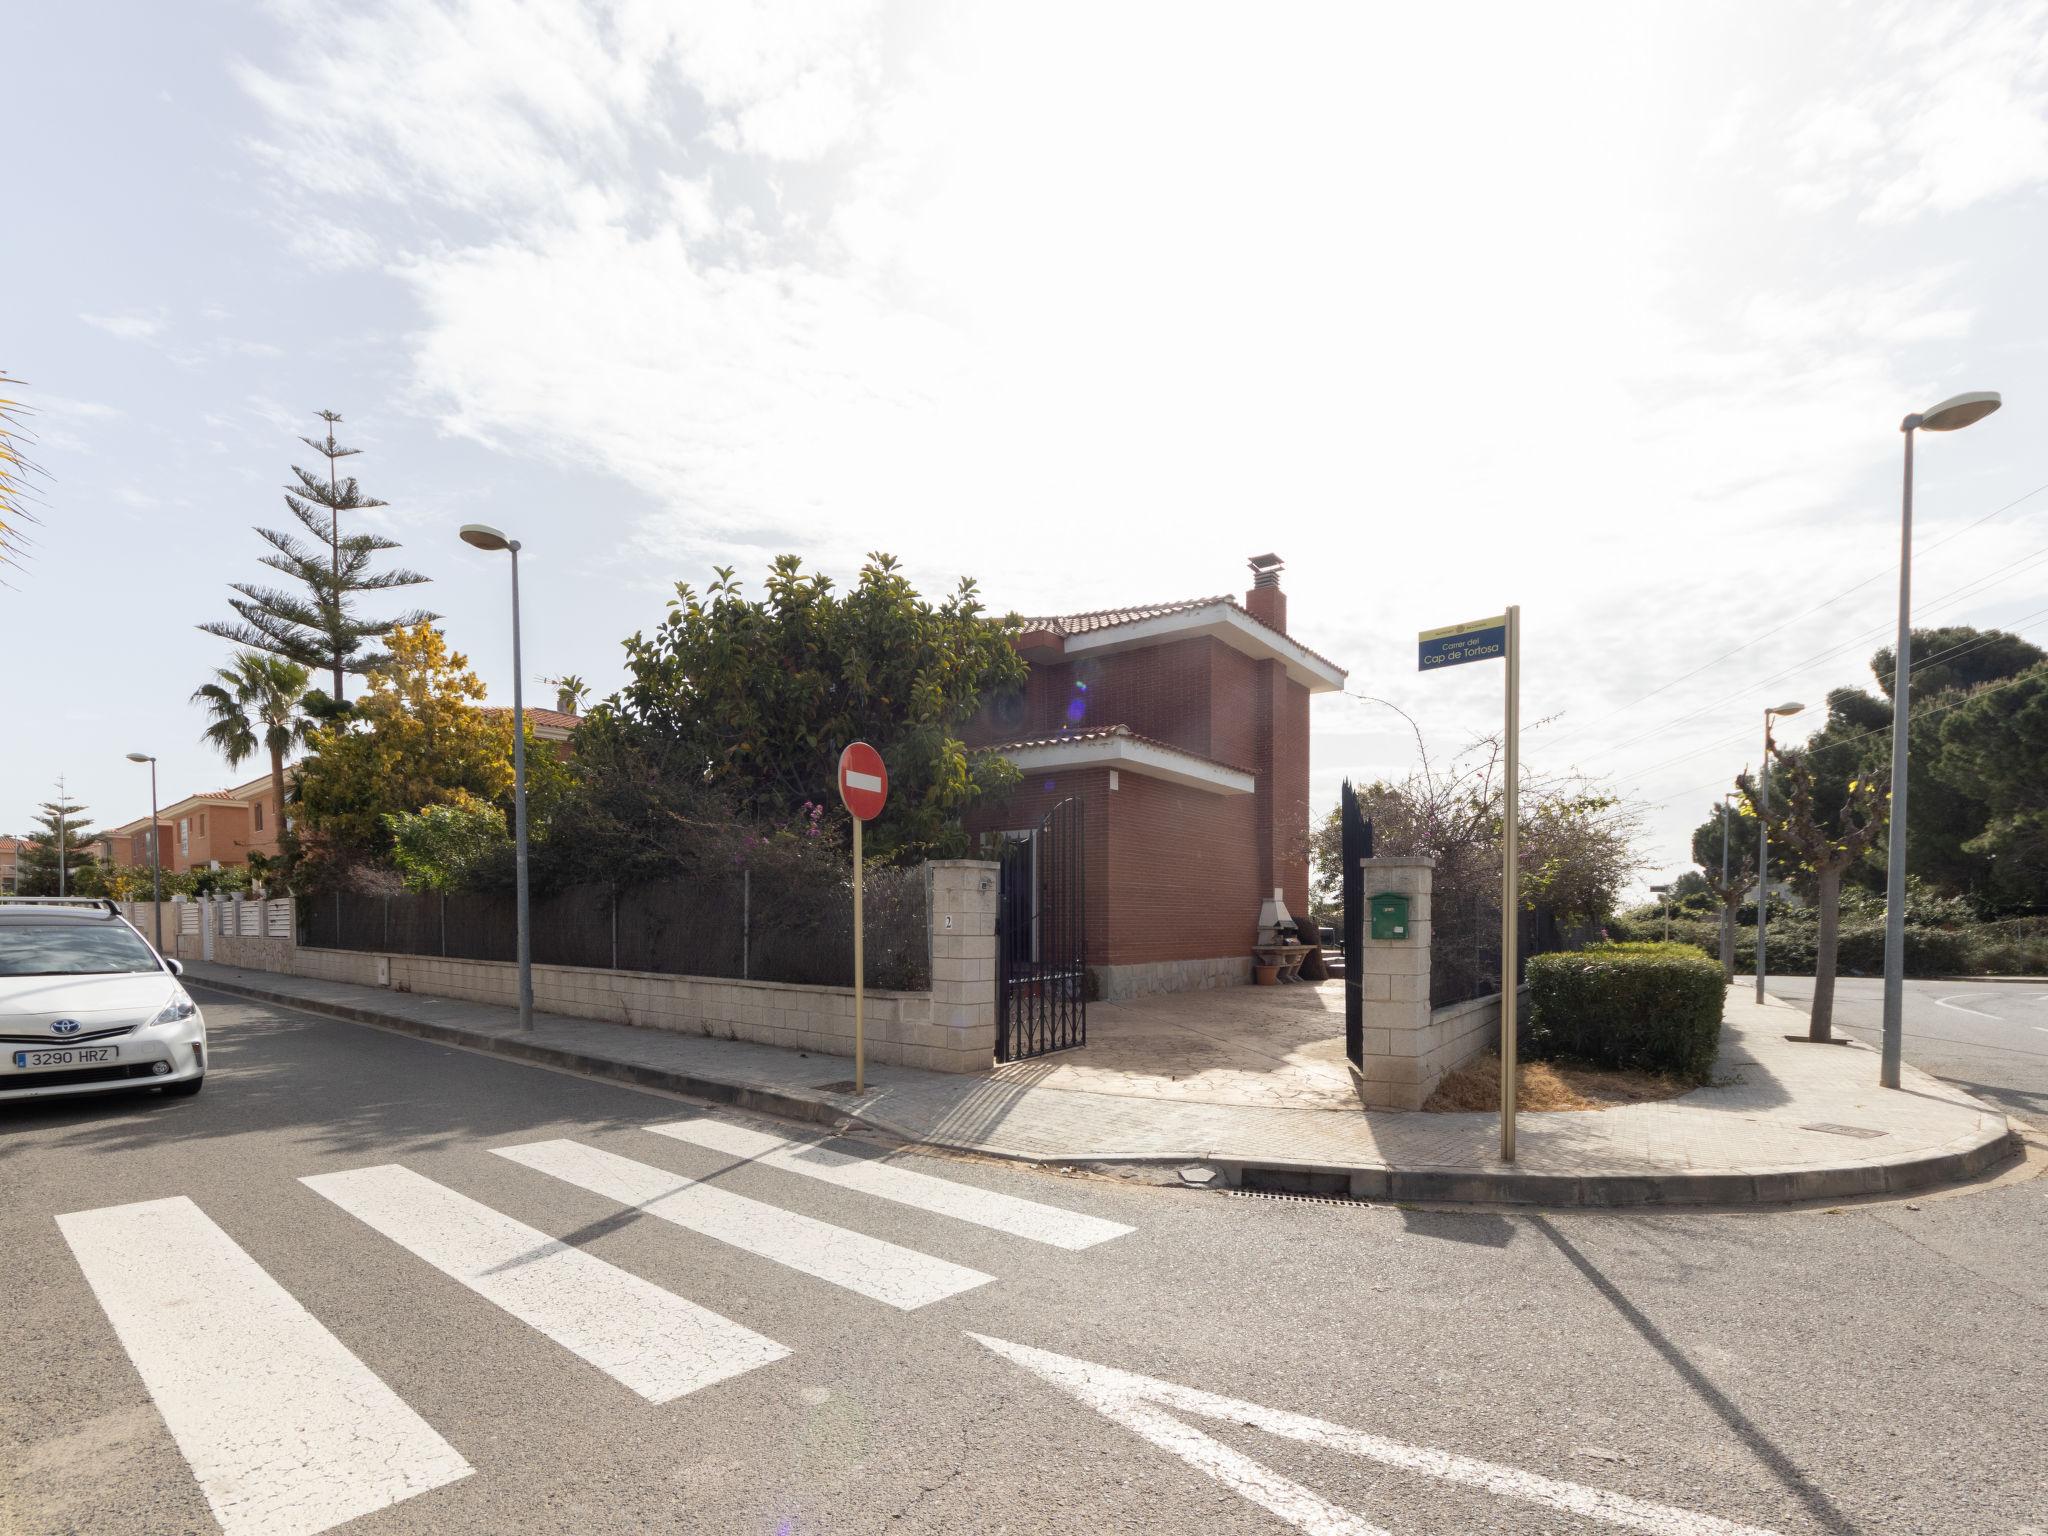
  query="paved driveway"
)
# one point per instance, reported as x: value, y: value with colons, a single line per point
x: 1990, y: 1037
x: 1280, y: 1046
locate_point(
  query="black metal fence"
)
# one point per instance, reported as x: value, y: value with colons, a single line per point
x: 1464, y: 944
x: 769, y: 924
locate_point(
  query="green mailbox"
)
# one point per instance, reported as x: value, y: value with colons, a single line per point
x: 1390, y: 915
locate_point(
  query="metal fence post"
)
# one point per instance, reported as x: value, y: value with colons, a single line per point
x: 615, y: 927
x: 387, y: 924
x: 746, y: 921
x: 444, y: 925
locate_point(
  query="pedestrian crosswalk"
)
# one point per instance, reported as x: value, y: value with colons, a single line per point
x: 288, y: 1432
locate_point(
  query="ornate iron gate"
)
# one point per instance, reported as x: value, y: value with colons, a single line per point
x: 1041, y: 938
x: 1356, y: 841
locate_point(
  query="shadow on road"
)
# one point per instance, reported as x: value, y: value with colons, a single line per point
x: 1818, y: 1504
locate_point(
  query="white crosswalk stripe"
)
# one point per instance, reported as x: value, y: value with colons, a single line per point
x: 888, y: 1181
x: 287, y: 1432
x: 651, y: 1340
x: 868, y: 1266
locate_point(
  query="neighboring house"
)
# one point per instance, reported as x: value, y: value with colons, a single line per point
x: 546, y: 724
x: 262, y: 821
x: 127, y: 844
x: 10, y: 862
x: 1182, y: 729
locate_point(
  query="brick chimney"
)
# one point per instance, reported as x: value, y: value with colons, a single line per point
x: 1266, y: 602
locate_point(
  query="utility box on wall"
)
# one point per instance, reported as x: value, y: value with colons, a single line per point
x: 1390, y: 915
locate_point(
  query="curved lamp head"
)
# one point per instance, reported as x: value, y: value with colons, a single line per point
x: 1959, y: 411
x: 140, y: 757
x: 484, y: 536
x: 1786, y: 709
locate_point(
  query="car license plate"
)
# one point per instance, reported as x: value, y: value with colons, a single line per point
x: 78, y: 1056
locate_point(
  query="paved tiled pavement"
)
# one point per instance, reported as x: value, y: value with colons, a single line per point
x: 1781, y: 1121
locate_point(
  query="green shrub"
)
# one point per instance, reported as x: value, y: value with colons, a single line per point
x: 2000, y: 956
x: 1648, y: 1007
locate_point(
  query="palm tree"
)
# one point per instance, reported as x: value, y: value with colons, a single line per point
x: 17, y: 470
x: 257, y: 703
x: 570, y: 692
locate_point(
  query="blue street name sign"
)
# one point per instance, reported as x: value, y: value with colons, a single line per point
x: 1456, y: 644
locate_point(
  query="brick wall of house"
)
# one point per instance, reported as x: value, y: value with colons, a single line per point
x: 1182, y: 881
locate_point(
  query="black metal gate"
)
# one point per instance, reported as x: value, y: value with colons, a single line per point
x: 1356, y: 841
x: 1041, y: 938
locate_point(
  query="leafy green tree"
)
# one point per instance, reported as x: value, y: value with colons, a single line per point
x: 1707, y: 839
x: 257, y: 703
x: 755, y: 699
x: 450, y: 846
x: 1826, y: 845
x: 415, y: 739
x: 570, y: 692
x: 1995, y: 743
x: 318, y: 625
x: 57, y: 860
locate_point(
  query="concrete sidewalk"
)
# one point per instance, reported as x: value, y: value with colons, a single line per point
x: 1782, y: 1121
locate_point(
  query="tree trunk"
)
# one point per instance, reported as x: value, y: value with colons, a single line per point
x: 1727, y: 944
x: 277, y: 797
x: 1824, y: 953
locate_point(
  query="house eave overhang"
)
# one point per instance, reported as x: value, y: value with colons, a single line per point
x: 1144, y: 758
x: 1224, y: 622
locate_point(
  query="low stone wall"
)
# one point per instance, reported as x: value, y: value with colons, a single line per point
x: 1461, y: 1033
x: 951, y: 1028
x: 1114, y: 983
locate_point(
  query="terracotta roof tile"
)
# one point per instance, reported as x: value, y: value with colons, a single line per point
x: 1138, y: 613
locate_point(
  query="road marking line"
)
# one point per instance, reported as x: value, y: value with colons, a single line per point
x: 902, y: 1277
x: 1145, y: 1406
x: 927, y: 1192
x: 286, y: 1431
x: 649, y: 1339
x: 1943, y: 1002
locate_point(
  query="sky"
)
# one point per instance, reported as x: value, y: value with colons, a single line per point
x: 1609, y: 311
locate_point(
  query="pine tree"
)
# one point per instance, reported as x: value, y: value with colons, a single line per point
x: 58, y: 855
x: 320, y: 628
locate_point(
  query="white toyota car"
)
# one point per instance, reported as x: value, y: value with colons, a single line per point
x: 86, y: 1006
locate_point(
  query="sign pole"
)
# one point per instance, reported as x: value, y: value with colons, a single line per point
x: 1511, y: 887
x: 860, y: 980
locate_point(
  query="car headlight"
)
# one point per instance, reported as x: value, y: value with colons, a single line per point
x: 181, y: 1007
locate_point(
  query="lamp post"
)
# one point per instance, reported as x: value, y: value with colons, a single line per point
x: 156, y: 865
x: 483, y: 536
x: 1953, y: 413
x: 1663, y: 895
x: 1763, y: 845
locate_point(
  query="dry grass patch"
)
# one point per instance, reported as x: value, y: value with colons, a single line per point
x: 1549, y: 1085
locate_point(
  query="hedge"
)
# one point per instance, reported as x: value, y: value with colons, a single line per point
x: 1643, y: 1007
x: 1859, y: 947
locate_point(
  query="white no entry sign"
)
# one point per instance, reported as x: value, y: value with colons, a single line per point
x: 863, y: 781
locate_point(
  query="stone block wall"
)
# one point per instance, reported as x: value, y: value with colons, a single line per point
x: 951, y: 1028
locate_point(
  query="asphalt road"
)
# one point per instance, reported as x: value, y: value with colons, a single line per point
x: 1875, y: 1369
x: 1990, y: 1037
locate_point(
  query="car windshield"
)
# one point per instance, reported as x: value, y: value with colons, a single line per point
x: 72, y: 949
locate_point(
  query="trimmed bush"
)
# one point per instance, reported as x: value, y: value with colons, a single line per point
x: 1643, y: 1007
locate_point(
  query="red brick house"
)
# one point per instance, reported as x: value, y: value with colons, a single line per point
x: 1182, y: 729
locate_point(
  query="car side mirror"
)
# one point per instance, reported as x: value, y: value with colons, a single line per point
x: 175, y: 967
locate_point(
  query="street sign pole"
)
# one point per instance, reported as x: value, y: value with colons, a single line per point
x: 1511, y: 887
x: 860, y: 975
x: 1453, y: 646
x: 863, y: 790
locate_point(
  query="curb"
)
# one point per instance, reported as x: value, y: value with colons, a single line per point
x: 1433, y: 1186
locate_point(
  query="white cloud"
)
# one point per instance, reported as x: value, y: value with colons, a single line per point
x: 129, y: 327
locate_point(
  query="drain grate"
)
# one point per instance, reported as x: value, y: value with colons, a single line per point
x: 1270, y: 1194
x: 1842, y: 1130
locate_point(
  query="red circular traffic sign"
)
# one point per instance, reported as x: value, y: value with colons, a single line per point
x: 863, y: 781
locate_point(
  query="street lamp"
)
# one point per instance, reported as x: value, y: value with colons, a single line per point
x: 1663, y: 895
x: 1763, y: 844
x: 483, y: 536
x: 1953, y: 413
x: 156, y: 866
